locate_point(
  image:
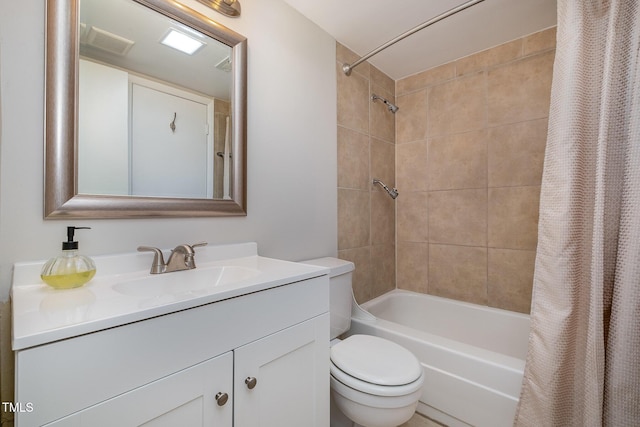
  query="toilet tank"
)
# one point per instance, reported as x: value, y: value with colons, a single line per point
x: 340, y: 293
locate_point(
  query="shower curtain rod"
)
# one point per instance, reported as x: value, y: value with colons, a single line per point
x: 346, y: 68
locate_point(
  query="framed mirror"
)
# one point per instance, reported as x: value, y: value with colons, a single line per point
x: 135, y: 127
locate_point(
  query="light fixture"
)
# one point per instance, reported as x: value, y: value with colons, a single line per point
x: 181, y: 42
x: 229, y: 8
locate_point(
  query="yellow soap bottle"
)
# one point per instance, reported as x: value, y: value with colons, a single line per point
x: 70, y: 269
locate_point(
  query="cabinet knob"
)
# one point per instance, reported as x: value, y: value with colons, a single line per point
x: 251, y: 382
x: 222, y: 398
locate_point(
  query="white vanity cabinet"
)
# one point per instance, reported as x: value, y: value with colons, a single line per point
x: 186, y: 398
x: 267, y: 352
x: 282, y: 380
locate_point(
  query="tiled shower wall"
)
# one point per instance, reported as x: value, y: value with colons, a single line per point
x: 470, y: 142
x: 466, y: 151
x: 366, y: 150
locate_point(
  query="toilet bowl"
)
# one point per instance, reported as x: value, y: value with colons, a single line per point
x: 374, y: 382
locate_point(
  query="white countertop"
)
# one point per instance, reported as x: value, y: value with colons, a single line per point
x: 42, y: 314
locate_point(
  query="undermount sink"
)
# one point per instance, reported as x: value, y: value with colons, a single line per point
x: 199, y: 280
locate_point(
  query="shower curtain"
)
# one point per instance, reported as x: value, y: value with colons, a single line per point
x: 583, y: 365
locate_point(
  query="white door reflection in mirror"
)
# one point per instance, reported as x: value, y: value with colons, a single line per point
x: 170, y: 161
x: 103, y: 130
x: 126, y: 145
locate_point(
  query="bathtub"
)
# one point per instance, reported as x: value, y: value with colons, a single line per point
x: 472, y: 355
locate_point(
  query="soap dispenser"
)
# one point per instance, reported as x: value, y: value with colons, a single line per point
x: 70, y: 269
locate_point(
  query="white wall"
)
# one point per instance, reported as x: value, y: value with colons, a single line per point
x: 103, y: 129
x: 292, y: 202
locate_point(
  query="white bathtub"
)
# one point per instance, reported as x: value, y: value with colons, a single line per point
x: 473, y: 356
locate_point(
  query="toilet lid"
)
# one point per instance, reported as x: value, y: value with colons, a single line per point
x: 376, y: 360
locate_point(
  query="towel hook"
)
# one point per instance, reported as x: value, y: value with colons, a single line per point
x: 172, y: 125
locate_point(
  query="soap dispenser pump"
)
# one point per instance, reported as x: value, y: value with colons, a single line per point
x: 70, y: 269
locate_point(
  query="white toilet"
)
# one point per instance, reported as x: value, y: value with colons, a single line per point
x: 374, y: 382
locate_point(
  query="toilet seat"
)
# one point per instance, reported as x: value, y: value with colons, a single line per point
x: 376, y: 360
x: 375, y: 389
x: 375, y: 366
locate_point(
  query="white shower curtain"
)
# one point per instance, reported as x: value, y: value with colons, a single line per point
x: 583, y: 365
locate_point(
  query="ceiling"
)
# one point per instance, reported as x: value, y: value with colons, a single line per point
x: 363, y: 25
x: 141, y: 25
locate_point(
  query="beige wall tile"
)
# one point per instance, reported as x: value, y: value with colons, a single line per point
x: 458, y: 272
x: 366, y: 147
x: 458, y: 161
x: 458, y: 217
x: 383, y: 268
x: 221, y: 106
x: 488, y: 58
x: 412, y: 222
x: 383, y: 218
x: 378, y: 78
x: 520, y: 90
x: 540, y: 41
x: 411, y: 118
x: 457, y: 106
x: 510, y: 279
x: 413, y: 266
x: 383, y: 161
x: 353, y: 159
x: 513, y: 217
x: 346, y: 55
x: 516, y: 153
x: 426, y: 78
x: 353, y: 102
x: 411, y: 166
x: 354, y: 215
x: 362, y: 276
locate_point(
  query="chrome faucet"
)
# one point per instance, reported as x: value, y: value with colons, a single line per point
x: 181, y: 258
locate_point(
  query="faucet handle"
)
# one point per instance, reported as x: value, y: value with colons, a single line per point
x: 191, y: 262
x: 189, y: 252
x: 195, y: 245
x: 157, y: 265
x: 188, y: 249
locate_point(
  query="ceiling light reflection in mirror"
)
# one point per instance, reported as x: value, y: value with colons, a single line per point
x: 181, y: 42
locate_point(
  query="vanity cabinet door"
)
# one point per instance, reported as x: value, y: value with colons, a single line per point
x: 282, y: 380
x: 187, y: 398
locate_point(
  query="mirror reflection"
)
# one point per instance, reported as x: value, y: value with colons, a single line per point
x: 154, y: 105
